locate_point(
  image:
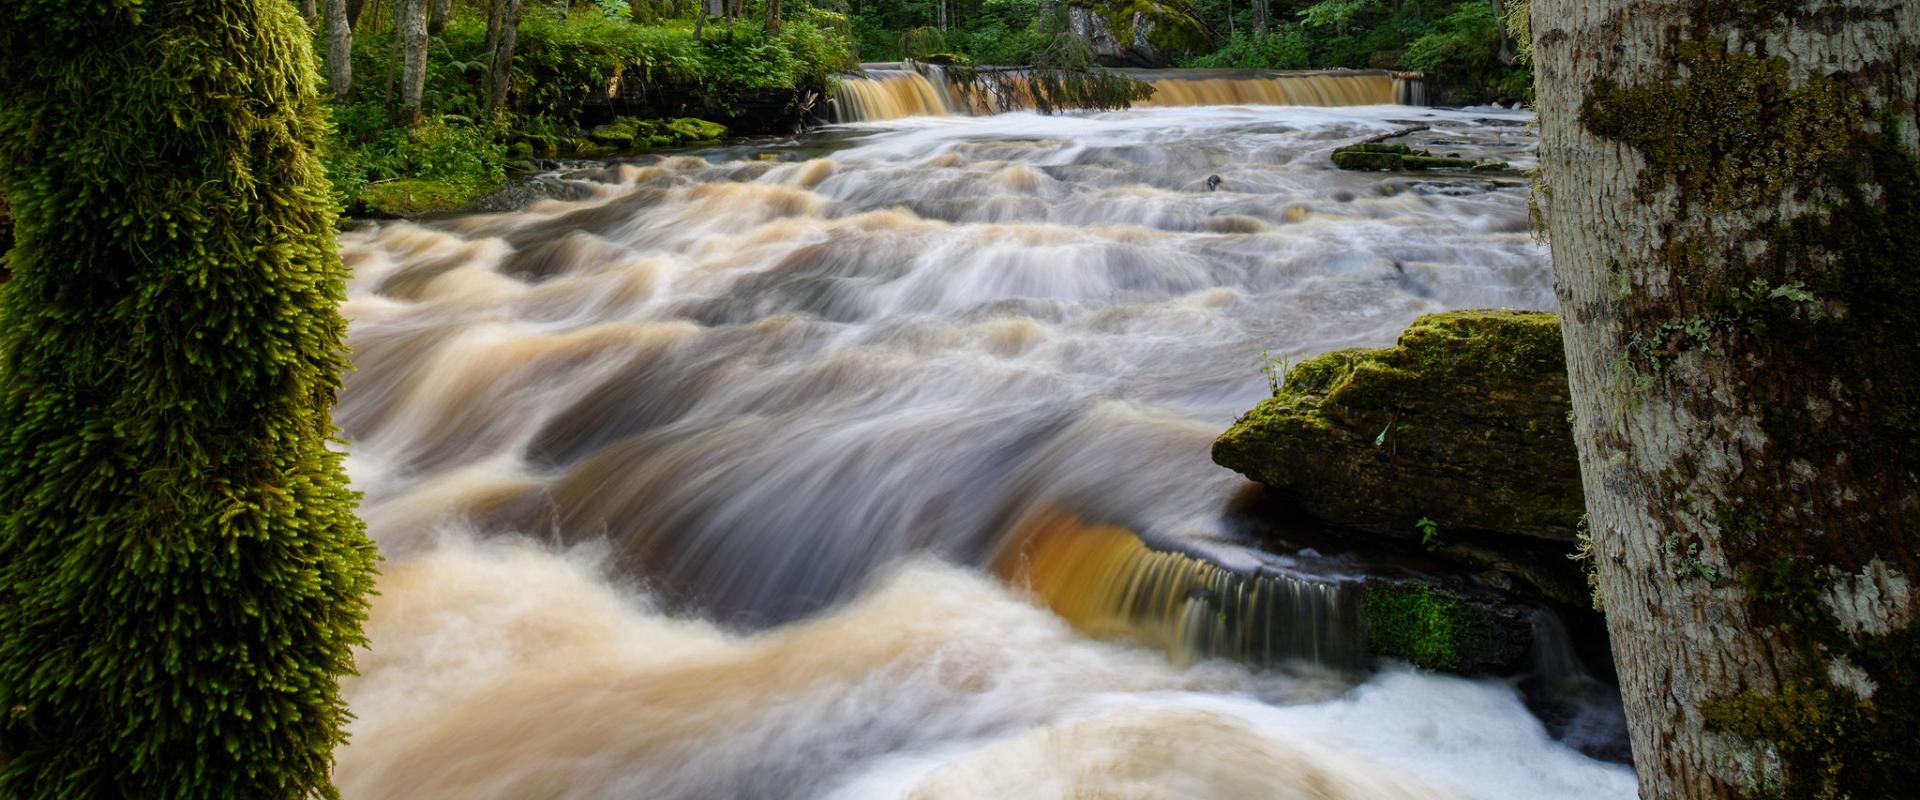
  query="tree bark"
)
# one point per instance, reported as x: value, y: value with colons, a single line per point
x: 1260, y: 15
x: 308, y: 11
x: 393, y: 57
x: 503, y: 57
x: 1732, y: 200
x: 773, y: 17
x: 339, y: 51
x: 412, y: 24
x: 441, y: 14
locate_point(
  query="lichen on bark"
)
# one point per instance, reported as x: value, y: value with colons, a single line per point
x: 1796, y: 319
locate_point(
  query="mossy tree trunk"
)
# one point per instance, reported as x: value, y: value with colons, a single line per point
x: 1734, y: 210
x: 183, y: 576
x: 339, y: 51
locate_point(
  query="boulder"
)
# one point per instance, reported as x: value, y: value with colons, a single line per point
x: 1136, y: 33
x: 1458, y: 431
x: 1397, y: 157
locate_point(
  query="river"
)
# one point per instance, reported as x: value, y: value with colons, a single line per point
x: 705, y: 485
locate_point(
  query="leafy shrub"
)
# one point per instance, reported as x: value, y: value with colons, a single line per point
x: 1282, y: 48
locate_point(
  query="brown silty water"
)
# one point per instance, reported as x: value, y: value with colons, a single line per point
x: 785, y: 478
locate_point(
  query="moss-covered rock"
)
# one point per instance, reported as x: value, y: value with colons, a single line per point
x: 627, y: 133
x: 690, y: 130
x: 412, y: 196
x: 1444, y: 629
x: 1463, y: 422
x: 1375, y: 157
x: 618, y: 134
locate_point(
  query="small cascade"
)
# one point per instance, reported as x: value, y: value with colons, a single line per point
x: 1107, y: 582
x: 1409, y: 89
x: 1577, y: 707
x: 881, y: 94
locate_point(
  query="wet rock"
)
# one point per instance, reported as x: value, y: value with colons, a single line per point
x: 522, y: 193
x: 1448, y: 628
x: 1096, y: 29
x: 1378, y: 157
x: 1455, y: 440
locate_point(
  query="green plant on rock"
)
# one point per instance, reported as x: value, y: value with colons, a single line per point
x: 184, y: 575
x: 1274, y: 369
x: 1429, y: 533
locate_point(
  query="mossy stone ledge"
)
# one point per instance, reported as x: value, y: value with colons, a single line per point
x: 1464, y: 422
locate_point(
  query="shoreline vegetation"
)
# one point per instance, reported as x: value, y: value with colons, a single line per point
x: 438, y: 101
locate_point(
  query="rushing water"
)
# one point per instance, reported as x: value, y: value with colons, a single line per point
x: 755, y: 473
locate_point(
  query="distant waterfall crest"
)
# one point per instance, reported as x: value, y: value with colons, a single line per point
x: 899, y: 90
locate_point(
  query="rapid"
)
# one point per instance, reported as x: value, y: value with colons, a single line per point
x: 840, y: 467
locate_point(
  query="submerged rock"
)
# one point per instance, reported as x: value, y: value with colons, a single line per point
x: 1398, y: 157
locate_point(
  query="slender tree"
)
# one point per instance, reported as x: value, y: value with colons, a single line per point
x: 412, y: 30
x: 183, y: 575
x: 339, y: 51
x: 503, y: 57
x: 439, y: 16
x: 773, y: 17
x: 495, y: 9
x: 1733, y: 204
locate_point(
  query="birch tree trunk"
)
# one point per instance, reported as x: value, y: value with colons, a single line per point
x: 503, y: 57
x: 339, y: 51
x: 1733, y: 204
x: 413, y: 73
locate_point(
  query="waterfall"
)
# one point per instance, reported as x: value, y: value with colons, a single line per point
x: 898, y: 90
x: 1107, y: 581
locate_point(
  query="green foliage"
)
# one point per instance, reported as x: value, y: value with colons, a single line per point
x: 184, y: 576
x: 1456, y: 42
x: 1417, y: 623
x: 1429, y: 533
x: 1275, y: 370
x: 1286, y: 47
x: 443, y: 163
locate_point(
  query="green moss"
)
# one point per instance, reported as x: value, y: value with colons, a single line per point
x: 627, y: 133
x: 1463, y: 420
x: 183, y: 577
x: 1420, y: 625
x: 1394, y: 157
x: 410, y: 196
x: 1734, y: 133
x: 1836, y: 742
